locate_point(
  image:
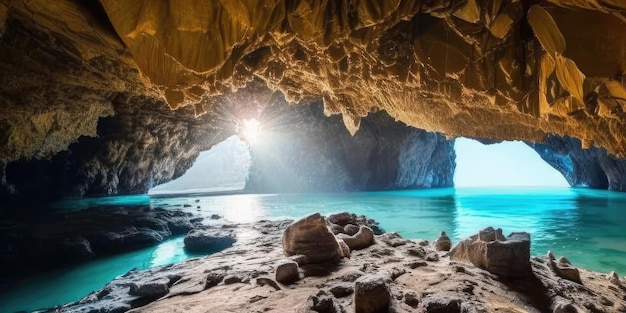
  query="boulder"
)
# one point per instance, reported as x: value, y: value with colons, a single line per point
x: 506, y: 257
x: 209, y: 239
x: 442, y: 243
x: 310, y: 237
x: 371, y: 294
x: 151, y: 289
x: 362, y: 239
x: 342, y: 219
x: 287, y: 272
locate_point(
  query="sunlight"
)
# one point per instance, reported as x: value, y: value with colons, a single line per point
x: 251, y: 130
x: 505, y: 164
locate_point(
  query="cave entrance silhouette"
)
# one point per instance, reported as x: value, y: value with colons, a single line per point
x: 505, y: 164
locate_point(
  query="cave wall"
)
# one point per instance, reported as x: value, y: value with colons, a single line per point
x: 302, y: 150
x: 593, y: 167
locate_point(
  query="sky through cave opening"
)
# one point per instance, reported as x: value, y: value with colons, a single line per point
x: 505, y: 164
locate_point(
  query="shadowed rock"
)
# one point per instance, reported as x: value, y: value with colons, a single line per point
x: 506, y: 257
x: 442, y: 243
x: 371, y: 294
x: 310, y: 237
x: 205, y: 239
x: 287, y: 272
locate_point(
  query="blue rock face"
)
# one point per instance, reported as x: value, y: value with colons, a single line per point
x: 312, y: 152
x: 593, y: 167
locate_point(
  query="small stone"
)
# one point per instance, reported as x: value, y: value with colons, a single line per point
x: 264, y: 281
x: 345, y: 250
x: 416, y: 264
x: 410, y: 298
x: 232, y: 279
x: 342, y: 219
x: 341, y: 290
x: 371, y: 294
x: 215, y: 216
x: 432, y: 257
x: 299, y: 258
x: 350, y: 229
x: 550, y: 256
x: 393, y: 239
x: 336, y: 229
x: 322, y: 302
x: 416, y: 251
x: 613, y: 278
x: 442, y: 243
x: 287, y: 272
x: 564, y: 260
x: 213, y: 279
x: 423, y: 243
x: 362, y: 239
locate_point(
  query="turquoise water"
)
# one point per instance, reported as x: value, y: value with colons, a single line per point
x: 587, y: 226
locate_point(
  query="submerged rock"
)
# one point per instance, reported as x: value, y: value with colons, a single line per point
x: 506, y: 257
x: 310, y: 237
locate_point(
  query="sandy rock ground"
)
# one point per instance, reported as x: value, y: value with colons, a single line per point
x: 419, y: 279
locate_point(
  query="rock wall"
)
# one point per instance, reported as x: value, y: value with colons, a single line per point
x: 142, y: 145
x: 593, y: 167
x: 303, y: 150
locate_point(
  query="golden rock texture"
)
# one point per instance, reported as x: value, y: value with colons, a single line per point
x: 489, y: 69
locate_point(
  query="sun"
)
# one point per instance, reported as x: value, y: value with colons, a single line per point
x: 251, y: 130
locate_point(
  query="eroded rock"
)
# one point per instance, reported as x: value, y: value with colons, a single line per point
x: 371, y: 294
x: 207, y: 239
x: 442, y: 243
x: 310, y: 237
x: 506, y: 257
x: 362, y: 239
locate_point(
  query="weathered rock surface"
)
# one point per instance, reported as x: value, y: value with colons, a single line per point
x: 442, y: 243
x: 593, y: 167
x: 506, y: 257
x: 236, y: 280
x: 209, y: 238
x: 287, y: 272
x: 311, y: 237
x: 371, y: 295
x: 362, y: 239
x: 314, y: 152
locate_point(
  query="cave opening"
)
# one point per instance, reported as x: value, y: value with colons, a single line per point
x: 221, y: 169
x: 504, y: 164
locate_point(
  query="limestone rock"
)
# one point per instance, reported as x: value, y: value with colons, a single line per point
x: 323, y: 302
x: 442, y: 243
x: 310, y: 237
x: 506, y: 257
x: 151, y: 289
x: 205, y: 239
x: 287, y: 272
x: 564, y: 269
x: 393, y: 239
x: 371, y: 294
x: 362, y: 239
x: 613, y: 278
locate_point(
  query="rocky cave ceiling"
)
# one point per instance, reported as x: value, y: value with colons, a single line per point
x: 492, y: 69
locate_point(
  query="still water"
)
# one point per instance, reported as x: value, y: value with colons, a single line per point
x: 587, y: 226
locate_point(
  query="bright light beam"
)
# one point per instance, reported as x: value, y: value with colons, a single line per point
x: 251, y: 130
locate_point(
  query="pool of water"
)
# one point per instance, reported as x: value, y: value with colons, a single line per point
x: 587, y: 226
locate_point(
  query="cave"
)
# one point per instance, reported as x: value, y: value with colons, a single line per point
x: 305, y: 156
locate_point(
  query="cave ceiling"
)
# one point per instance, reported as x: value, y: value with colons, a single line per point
x: 501, y: 70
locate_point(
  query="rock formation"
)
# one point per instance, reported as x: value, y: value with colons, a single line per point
x: 593, y: 167
x: 506, y: 257
x: 209, y: 239
x: 88, y: 84
x: 313, y: 152
x: 380, y: 278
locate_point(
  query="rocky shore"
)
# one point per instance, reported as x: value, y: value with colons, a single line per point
x: 56, y: 240
x: 338, y: 264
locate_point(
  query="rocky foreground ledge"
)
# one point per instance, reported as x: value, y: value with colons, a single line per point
x: 344, y: 263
